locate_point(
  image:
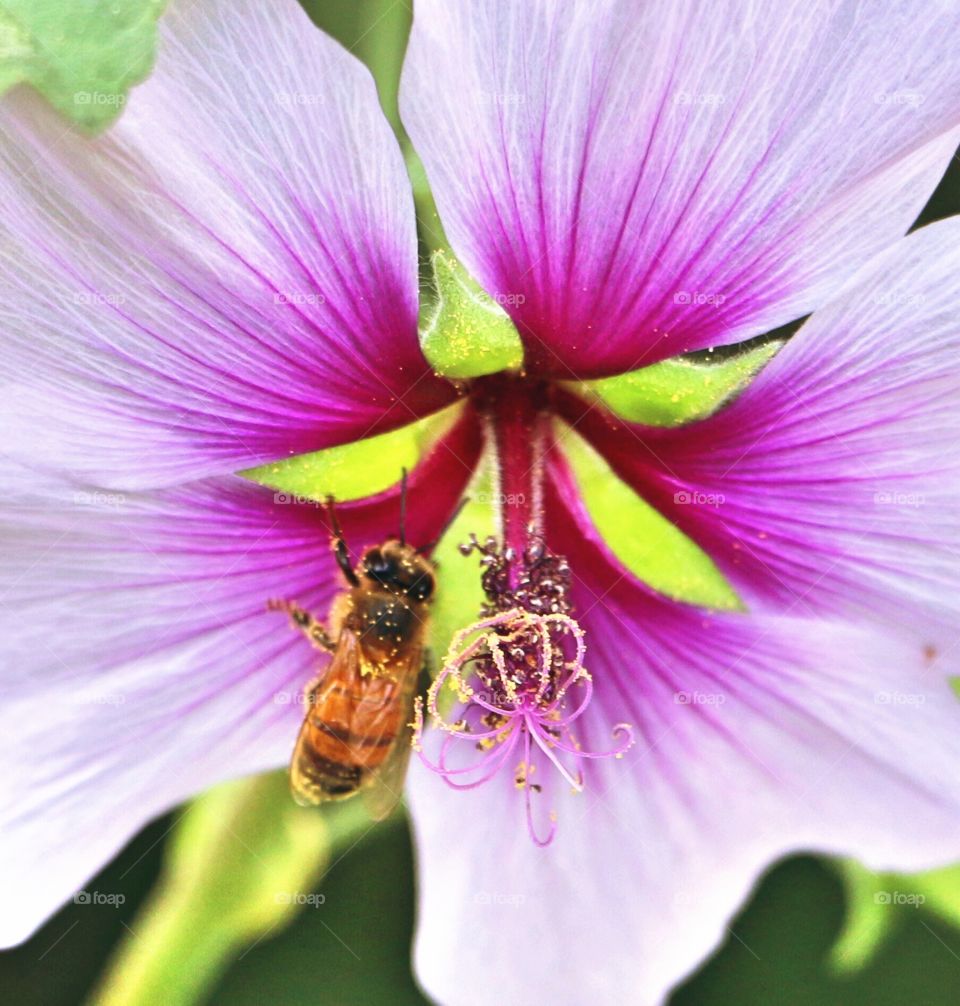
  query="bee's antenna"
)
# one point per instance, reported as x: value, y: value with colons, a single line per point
x: 340, y: 549
x: 446, y: 527
x: 403, y: 506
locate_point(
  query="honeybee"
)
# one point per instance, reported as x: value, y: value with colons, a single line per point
x: 356, y: 735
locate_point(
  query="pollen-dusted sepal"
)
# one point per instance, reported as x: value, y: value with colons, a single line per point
x: 469, y: 333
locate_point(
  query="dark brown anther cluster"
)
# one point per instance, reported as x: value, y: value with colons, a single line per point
x: 538, y: 583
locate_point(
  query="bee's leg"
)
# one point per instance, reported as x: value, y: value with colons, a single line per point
x: 311, y: 627
x: 343, y: 561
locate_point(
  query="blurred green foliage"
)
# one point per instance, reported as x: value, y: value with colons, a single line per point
x: 82, y: 55
x: 241, y: 862
x: 874, y: 901
x: 354, y: 948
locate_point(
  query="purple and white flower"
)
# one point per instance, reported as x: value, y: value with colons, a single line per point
x: 229, y: 278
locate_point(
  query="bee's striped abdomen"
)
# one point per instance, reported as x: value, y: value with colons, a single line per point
x: 347, y: 734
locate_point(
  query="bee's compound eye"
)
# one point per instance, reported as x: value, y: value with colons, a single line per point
x: 378, y: 565
x: 422, y: 587
x: 372, y: 558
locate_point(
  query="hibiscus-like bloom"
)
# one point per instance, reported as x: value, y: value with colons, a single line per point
x: 229, y: 278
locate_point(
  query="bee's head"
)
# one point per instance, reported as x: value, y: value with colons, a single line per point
x: 400, y: 569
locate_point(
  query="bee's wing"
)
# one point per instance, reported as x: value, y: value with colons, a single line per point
x: 384, y: 788
x: 311, y: 779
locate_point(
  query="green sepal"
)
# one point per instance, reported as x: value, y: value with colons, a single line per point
x: 459, y: 593
x: 679, y: 390
x: 355, y: 470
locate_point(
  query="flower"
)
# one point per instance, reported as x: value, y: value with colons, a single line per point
x: 229, y: 278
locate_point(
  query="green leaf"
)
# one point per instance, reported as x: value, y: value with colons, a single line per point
x: 875, y: 902
x: 352, y: 471
x: 429, y: 225
x: 82, y: 55
x: 941, y: 892
x: 242, y: 861
x: 469, y: 333
x: 868, y: 920
x: 381, y: 46
x: 648, y: 544
x: 679, y: 390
